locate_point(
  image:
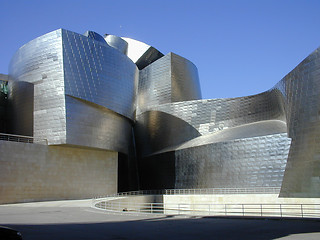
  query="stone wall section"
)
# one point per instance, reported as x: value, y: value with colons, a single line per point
x: 34, y: 172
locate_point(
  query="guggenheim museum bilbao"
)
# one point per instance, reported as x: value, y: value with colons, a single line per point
x: 94, y: 115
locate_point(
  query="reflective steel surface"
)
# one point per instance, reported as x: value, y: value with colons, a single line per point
x: 141, y: 54
x: 90, y: 91
x: 40, y: 62
x: 84, y: 90
x: 169, y: 79
x: 300, y: 95
x: 117, y: 43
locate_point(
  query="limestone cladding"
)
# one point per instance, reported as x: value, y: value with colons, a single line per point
x: 34, y: 172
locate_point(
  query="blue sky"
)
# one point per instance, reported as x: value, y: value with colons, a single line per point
x: 240, y: 47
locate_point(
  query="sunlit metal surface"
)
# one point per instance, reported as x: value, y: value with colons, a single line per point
x: 89, y: 92
x: 212, y: 115
x: 158, y: 130
x: 169, y: 79
x: 62, y: 64
x: 293, y: 101
x: 300, y: 95
x: 257, y: 129
x: 141, y: 54
x: 107, y: 78
x: 40, y: 62
x: 117, y: 43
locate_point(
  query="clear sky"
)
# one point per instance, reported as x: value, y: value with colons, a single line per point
x: 240, y: 47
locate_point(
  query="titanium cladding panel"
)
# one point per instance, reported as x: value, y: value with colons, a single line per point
x: 98, y: 73
x: 184, y: 80
x: 63, y: 64
x: 40, y: 62
x: 100, y: 93
x: 157, y: 130
x: 169, y: 79
x: 257, y: 129
x: 91, y: 125
x: 301, y: 89
x: 117, y: 43
x: 244, y: 163
x: 213, y: 115
x: 155, y: 83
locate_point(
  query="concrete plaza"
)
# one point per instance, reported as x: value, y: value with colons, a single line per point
x: 76, y: 220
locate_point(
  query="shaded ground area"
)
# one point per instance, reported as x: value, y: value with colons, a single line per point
x: 62, y: 221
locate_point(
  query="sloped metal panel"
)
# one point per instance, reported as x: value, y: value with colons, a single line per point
x: 91, y: 125
x: 141, y: 54
x: 301, y: 89
x: 213, y: 115
x: 98, y: 73
x: 157, y: 130
x: 150, y: 56
x: 257, y: 129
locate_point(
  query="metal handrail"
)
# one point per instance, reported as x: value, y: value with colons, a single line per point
x: 258, y: 190
x: 257, y: 210
x: 117, y: 202
x: 21, y: 138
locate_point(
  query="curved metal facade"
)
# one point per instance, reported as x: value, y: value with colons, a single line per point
x: 84, y: 89
x: 300, y: 95
x: 98, y: 73
x: 117, y: 43
x: 289, y: 159
x: 92, y: 91
x: 40, y: 62
x: 167, y: 80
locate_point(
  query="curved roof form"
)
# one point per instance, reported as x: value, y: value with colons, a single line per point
x: 116, y: 42
x: 250, y: 130
x: 135, y: 48
x: 140, y: 53
x: 261, y: 128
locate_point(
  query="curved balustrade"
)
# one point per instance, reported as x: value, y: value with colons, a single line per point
x: 126, y: 202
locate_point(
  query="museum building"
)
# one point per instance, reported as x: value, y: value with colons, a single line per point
x: 84, y: 115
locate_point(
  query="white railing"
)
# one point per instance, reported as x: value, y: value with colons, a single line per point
x: 252, y: 210
x: 21, y: 138
x: 121, y: 202
x: 260, y: 190
x: 134, y: 193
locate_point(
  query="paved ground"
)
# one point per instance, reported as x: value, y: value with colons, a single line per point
x: 76, y: 220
